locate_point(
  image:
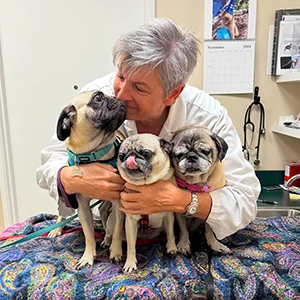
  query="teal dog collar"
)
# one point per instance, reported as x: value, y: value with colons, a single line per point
x: 75, y: 159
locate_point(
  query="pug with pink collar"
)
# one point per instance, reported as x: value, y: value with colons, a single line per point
x: 142, y: 159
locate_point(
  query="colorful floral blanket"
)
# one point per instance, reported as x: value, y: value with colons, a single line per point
x: 265, y: 264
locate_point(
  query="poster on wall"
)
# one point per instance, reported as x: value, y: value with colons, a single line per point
x: 229, y: 46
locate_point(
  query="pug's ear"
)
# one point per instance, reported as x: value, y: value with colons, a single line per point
x: 222, y: 146
x: 65, y: 122
x: 166, y: 146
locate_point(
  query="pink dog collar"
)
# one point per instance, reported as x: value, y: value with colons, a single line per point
x: 192, y: 187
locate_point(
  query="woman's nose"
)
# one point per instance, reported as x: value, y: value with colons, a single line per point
x: 123, y: 91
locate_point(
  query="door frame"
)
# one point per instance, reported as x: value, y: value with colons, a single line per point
x: 7, y: 182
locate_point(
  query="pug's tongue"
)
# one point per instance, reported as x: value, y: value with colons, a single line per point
x: 131, y: 163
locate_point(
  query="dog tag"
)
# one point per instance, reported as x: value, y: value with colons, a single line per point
x: 76, y: 172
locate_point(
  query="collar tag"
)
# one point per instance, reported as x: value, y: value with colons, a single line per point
x: 84, y: 159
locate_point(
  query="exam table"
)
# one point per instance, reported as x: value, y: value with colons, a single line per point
x: 265, y: 264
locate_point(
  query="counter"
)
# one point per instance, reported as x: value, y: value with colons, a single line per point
x: 279, y: 196
x: 274, y: 177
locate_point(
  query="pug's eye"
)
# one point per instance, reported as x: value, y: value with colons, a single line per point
x: 179, y: 156
x: 121, y: 156
x: 147, y: 154
x: 206, y: 152
x: 98, y: 97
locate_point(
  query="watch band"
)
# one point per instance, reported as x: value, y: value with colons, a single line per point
x: 192, y: 208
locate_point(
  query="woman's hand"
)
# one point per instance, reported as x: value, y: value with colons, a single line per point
x: 161, y: 196
x: 98, y: 181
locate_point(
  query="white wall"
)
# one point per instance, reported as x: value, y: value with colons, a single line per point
x: 47, y: 48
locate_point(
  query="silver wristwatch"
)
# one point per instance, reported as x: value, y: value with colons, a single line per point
x: 192, y: 208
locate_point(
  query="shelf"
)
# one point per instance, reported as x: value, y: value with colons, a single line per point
x: 290, y: 77
x: 292, y: 132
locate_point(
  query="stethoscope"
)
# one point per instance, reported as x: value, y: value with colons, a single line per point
x: 248, y: 123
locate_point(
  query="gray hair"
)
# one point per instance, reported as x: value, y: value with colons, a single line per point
x: 159, y: 44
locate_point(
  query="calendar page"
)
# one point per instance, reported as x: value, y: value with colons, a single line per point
x: 228, y: 67
x: 229, y: 46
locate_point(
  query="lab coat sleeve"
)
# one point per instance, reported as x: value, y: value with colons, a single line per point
x: 234, y: 206
x: 53, y: 157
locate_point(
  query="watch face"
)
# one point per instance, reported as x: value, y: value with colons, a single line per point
x: 193, y: 210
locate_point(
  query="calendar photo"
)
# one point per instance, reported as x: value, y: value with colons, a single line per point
x: 230, y: 19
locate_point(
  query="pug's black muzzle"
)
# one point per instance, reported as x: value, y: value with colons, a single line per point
x: 110, y: 113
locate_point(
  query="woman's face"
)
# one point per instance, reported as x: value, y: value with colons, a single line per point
x: 143, y: 94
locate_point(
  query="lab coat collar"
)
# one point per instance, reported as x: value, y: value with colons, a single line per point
x: 175, y: 120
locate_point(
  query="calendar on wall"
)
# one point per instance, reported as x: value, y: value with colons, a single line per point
x: 228, y: 67
x: 229, y: 46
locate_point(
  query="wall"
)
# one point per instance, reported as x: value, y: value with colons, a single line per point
x: 48, y: 47
x: 278, y: 99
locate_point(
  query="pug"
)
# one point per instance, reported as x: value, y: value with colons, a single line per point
x: 88, y: 126
x: 197, y: 158
x: 229, y: 23
x: 144, y: 159
x: 226, y: 20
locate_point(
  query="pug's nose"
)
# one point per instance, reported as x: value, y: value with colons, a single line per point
x: 192, y: 156
x: 131, y: 163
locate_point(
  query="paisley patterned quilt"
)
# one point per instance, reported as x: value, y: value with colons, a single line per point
x: 265, y: 264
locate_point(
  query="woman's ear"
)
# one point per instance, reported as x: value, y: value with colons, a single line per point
x: 171, y: 98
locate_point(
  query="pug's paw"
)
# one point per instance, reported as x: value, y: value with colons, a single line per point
x: 116, y: 252
x: 129, y: 266
x: 55, y: 232
x: 218, y: 247
x: 87, y: 259
x: 106, y: 241
x: 172, y: 249
x: 184, y: 248
x: 115, y: 256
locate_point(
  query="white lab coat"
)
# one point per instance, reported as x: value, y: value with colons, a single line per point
x: 233, y: 207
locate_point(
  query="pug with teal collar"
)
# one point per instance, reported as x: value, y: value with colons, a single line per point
x: 88, y: 126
